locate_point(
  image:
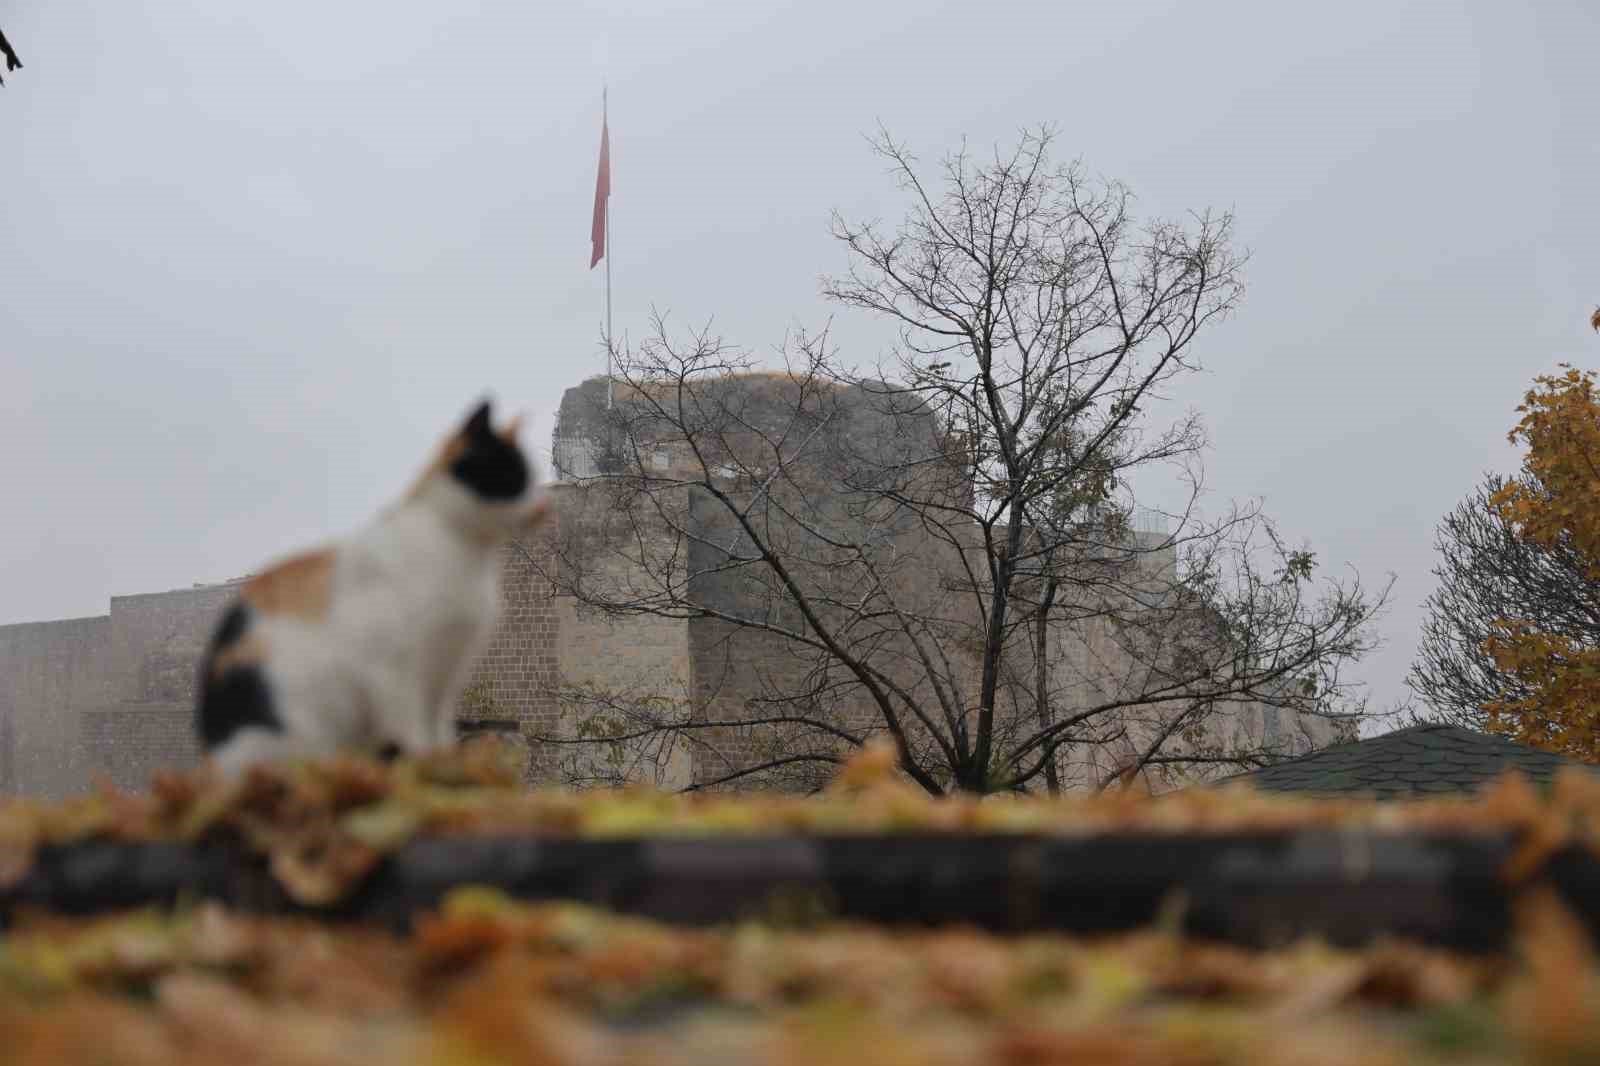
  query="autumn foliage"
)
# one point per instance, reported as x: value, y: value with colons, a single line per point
x: 1555, y: 503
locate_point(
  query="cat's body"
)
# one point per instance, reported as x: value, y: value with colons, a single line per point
x: 368, y: 644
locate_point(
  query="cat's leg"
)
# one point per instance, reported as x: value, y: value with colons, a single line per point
x: 399, y: 715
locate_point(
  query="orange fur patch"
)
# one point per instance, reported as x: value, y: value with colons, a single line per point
x: 299, y: 587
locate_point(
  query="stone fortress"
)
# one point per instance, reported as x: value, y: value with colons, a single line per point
x: 111, y: 697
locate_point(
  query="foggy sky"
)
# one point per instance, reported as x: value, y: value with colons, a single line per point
x: 259, y: 256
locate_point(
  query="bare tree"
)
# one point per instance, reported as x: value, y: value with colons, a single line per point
x: 1486, y: 572
x: 942, y: 549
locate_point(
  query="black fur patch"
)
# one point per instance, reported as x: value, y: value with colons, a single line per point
x: 231, y: 628
x: 240, y: 698
x: 490, y: 467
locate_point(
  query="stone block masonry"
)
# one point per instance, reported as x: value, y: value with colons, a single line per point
x: 157, y: 640
x: 110, y: 696
x: 128, y: 743
x: 50, y: 672
x: 514, y: 683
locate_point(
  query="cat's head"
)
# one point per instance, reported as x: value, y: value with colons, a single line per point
x: 481, y: 478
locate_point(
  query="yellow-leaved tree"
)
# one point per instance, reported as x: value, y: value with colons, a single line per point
x: 1554, y: 504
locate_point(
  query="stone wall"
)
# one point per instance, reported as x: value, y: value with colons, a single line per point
x: 155, y: 644
x: 113, y: 697
x: 614, y: 669
x: 157, y: 639
x: 128, y: 743
x: 513, y: 685
x: 50, y: 672
x: 745, y: 675
x: 1103, y: 647
x: 833, y: 507
x: 110, y: 696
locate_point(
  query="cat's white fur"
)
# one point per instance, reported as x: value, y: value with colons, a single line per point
x: 413, y: 602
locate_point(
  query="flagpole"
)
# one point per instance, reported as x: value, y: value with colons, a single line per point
x: 604, y: 122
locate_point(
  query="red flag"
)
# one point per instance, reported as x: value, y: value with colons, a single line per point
x: 602, y: 195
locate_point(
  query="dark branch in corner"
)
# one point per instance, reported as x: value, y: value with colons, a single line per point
x: 12, y: 62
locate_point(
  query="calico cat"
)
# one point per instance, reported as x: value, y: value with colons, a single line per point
x: 367, y: 644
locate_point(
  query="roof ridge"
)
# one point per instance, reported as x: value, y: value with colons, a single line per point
x: 1420, y: 758
x: 1423, y: 727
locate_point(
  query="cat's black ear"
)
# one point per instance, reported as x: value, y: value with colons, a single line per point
x: 491, y: 467
x: 478, y: 425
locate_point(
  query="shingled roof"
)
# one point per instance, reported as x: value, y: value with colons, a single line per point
x: 1416, y: 761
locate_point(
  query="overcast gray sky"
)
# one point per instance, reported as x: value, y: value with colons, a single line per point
x: 258, y: 256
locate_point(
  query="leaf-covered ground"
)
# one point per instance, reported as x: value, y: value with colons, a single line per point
x: 324, y: 825
x: 485, y: 981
